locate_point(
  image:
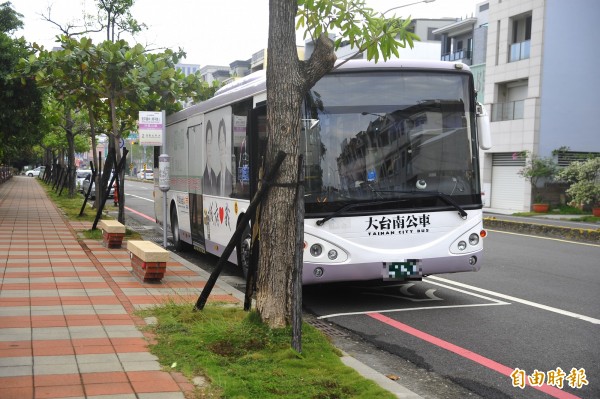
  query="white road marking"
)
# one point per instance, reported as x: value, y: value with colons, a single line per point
x: 430, y: 293
x: 515, y: 299
x: 412, y: 309
x: 495, y: 302
x: 137, y: 196
x: 589, y: 244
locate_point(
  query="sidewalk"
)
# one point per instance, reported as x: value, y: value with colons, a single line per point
x: 67, y: 328
x: 546, y: 225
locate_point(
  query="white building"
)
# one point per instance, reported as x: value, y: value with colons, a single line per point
x: 539, y: 85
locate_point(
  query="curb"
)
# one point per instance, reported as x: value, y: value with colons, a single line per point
x: 561, y: 232
x: 378, y: 378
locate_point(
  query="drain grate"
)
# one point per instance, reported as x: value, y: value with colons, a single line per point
x: 325, y: 327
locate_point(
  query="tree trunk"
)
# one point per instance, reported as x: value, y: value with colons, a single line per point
x: 288, y: 79
x: 115, y: 138
x: 70, y: 179
x: 278, y: 219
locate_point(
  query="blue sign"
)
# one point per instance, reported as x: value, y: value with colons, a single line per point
x: 244, y: 174
x: 371, y: 175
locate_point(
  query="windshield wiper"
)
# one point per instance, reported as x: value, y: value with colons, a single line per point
x: 443, y: 196
x: 346, y: 207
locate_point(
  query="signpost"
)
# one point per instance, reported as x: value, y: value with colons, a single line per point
x: 163, y: 185
x: 152, y: 131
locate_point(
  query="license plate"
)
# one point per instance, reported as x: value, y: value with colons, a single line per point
x: 401, y: 270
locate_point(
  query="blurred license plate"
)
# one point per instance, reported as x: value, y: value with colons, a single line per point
x: 401, y: 270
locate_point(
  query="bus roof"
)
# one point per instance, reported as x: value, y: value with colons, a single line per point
x: 255, y: 83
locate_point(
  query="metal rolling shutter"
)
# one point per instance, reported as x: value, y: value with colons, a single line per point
x: 508, y: 188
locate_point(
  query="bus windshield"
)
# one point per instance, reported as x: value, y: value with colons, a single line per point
x: 403, y: 140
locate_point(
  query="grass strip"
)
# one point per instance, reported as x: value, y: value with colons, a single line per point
x: 242, y: 358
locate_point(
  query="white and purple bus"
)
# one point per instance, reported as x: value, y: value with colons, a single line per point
x: 392, y: 178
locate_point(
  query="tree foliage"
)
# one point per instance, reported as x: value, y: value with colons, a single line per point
x: 537, y: 169
x: 20, y: 100
x: 10, y: 20
x: 354, y: 23
x: 112, y: 82
x: 584, y: 181
x: 114, y: 17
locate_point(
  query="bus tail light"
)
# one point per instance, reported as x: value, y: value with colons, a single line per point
x: 483, y: 233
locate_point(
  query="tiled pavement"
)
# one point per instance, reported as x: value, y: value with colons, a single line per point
x: 67, y: 323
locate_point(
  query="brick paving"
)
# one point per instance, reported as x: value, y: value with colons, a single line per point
x: 67, y: 322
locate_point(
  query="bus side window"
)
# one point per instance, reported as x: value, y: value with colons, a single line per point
x: 240, y: 158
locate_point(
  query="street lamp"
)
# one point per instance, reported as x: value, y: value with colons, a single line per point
x: 406, y: 5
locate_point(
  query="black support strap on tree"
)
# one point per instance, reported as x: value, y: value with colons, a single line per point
x: 254, y: 252
x: 118, y: 169
x: 203, y: 298
x: 86, y: 195
x: 297, y: 271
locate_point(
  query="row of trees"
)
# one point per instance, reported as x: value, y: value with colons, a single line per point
x: 106, y: 84
x: 20, y: 101
x: 89, y: 89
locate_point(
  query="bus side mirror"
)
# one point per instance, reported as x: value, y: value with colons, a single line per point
x: 483, y: 127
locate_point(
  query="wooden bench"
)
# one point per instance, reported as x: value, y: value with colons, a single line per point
x: 148, y: 260
x: 113, y: 233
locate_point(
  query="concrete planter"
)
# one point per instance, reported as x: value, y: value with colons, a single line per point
x: 113, y: 233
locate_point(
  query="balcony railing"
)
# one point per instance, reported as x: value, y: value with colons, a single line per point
x: 508, y: 111
x: 520, y: 51
x: 457, y: 55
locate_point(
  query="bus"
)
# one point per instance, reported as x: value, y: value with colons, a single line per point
x: 392, y: 177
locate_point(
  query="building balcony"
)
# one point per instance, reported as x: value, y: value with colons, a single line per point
x: 519, y: 51
x: 464, y: 56
x: 508, y: 111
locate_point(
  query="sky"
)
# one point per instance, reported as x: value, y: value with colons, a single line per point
x: 211, y: 32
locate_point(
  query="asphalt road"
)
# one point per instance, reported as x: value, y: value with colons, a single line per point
x: 534, y: 306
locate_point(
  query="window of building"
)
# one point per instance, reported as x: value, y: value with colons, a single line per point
x: 510, y: 104
x: 484, y: 7
x: 431, y: 36
x: 521, y: 38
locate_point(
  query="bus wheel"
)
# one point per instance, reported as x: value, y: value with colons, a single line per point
x: 177, y: 243
x: 243, y: 251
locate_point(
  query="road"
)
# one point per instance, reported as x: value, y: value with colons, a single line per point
x: 533, y: 308
x: 535, y: 305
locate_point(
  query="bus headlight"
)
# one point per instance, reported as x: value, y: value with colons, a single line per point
x: 474, y: 239
x: 316, y: 250
x: 462, y: 245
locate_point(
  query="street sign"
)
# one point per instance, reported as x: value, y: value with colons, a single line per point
x: 151, y: 128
